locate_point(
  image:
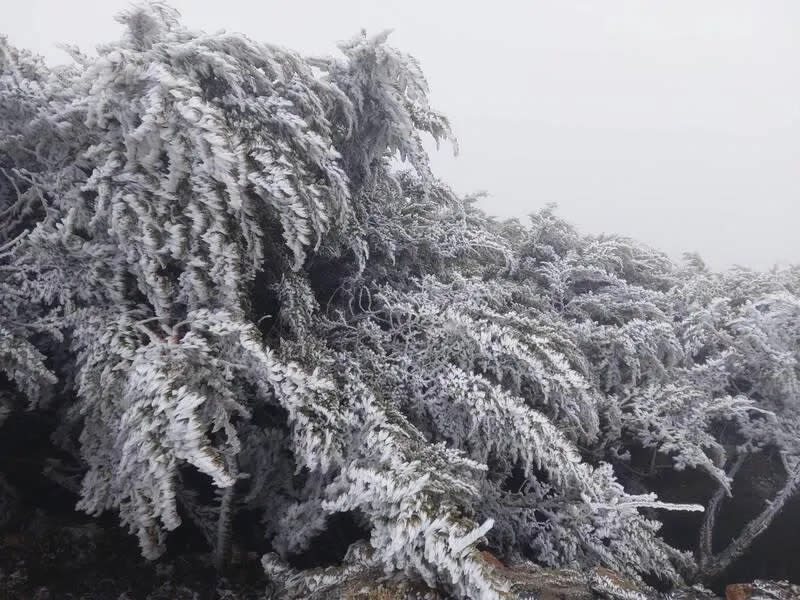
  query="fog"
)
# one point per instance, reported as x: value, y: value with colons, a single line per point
x: 677, y: 123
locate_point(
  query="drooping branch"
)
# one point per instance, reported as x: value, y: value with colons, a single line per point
x: 715, y: 564
x: 705, y: 544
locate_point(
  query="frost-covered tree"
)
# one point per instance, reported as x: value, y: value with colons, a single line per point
x: 221, y: 257
x: 743, y: 332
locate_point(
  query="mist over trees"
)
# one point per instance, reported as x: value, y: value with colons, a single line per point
x: 228, y: 272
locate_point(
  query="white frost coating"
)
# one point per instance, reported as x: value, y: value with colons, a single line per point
x: 210, y: 243
x: 458, y: 546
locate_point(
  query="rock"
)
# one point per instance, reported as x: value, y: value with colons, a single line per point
x: 529, y: 581
x: 763, y: 590
x: 549, y: 584
x: 738, y: 591
x: 371, y: 584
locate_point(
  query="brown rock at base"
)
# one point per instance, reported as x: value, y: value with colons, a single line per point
x: 531, y: 582
x: 371, y: 584
x: 739, y: 591
x: 763, y: 590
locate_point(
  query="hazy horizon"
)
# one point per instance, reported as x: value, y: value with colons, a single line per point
x: 674, y: 123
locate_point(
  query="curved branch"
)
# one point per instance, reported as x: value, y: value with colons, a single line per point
x: 718, y: 563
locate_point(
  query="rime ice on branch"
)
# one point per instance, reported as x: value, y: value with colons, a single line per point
x: 208, y: 246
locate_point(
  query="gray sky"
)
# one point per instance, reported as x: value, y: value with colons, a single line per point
x: 676, y: 122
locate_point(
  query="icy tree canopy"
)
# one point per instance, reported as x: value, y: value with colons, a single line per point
x: 229, y: 272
